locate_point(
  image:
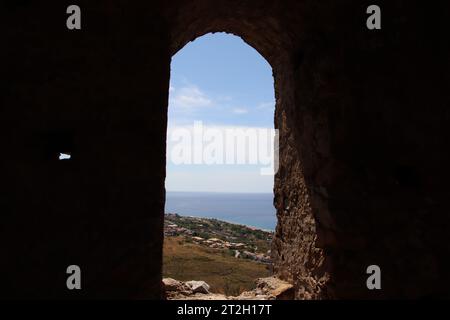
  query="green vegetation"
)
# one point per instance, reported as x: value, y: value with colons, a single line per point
x: 256, y: 240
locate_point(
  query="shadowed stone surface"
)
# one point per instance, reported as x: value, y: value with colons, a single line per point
x: 363, y: 119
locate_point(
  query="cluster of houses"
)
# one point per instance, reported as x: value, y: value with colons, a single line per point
x: 173, y: 230
x: 240, y: 249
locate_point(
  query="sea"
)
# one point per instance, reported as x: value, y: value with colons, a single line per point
x: 250, y: 209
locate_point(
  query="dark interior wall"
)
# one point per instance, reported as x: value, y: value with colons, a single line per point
x: 390, y: 189
x: 380, y: 164
x: 101, y: 94
x: 363, y: 142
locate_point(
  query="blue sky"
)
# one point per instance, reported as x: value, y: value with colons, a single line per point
x: 220, y: 80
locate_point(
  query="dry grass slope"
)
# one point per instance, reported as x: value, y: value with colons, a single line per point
x: 224, y: 273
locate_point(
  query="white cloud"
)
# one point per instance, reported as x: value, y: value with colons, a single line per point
x: 189, y: 98
x: 240, y: 110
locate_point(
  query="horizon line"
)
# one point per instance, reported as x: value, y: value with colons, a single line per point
x: 230, y: 192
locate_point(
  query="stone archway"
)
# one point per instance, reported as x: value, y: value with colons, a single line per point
x: 363, y: 119
x: 296, y: 252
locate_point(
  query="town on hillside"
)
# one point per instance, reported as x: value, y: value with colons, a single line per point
x: 243, y: 242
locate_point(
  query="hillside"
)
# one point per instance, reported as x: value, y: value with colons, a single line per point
x: 227, y: 256
x: 224, y: 273
x: 244, y: 241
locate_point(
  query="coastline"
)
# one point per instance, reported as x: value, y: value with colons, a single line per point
x: 227, y: 221
x: 253, y: 210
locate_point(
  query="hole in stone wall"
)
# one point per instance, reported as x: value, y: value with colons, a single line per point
x: 220, y: 216
x: 64, y: 156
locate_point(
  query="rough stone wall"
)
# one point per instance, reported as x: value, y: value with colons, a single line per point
x: 363, y: 142
x: 364, y: 138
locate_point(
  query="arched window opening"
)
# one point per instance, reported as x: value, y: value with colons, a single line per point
x: 221, y: 161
